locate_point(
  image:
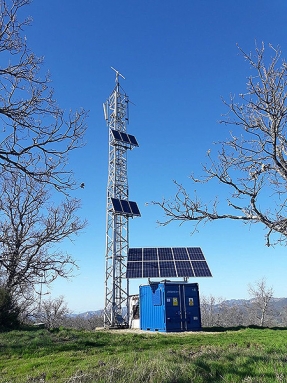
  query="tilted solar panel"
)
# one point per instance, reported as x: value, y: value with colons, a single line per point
x: 124, y: 137
x: 150, y: 269
x: 116, y: 135
x: 117, y: 205
x: 164, y: 253
x: 133, y: 140
x: 134, y: 208
x: 135, y: 255
x: 184, y: 269
x: 125, y: 207
x: 180, y: 253
x: 201, y: 269
x: 149, y: 254
x: 166, y: 262
x: 195, y: 254
x: 167, y: 269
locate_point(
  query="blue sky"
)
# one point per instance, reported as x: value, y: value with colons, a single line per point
x: 179, y: 58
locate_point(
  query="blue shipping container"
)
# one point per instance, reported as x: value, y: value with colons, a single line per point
x: 169, y: 306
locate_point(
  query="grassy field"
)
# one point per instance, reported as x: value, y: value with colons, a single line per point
x: 69, y: 356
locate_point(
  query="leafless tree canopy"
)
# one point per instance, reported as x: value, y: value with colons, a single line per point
x: 35, y: 134
x: 260, y: 307
x: 252, y: 164
x: 53, y: 312
x: 31, y: 228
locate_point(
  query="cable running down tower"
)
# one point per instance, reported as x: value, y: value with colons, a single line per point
x: 119, y: 208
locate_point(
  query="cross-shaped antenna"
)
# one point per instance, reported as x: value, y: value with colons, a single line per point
x: 117, y: 75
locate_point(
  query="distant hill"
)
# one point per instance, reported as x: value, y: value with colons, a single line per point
x: 88, y: 314
x: 278, y: 303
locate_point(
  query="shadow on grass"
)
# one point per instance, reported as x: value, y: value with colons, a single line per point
x: 213, y: 372
x: 238, y: 328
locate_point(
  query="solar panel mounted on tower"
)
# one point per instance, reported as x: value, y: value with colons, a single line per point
x: 134, y: 208
x: 116, y: 135
x: 133, y: 140
x: 129, y: 208
x: 126, y: 206
x: 117, y: 205
x: 124, y: 137
x: 166, y: 262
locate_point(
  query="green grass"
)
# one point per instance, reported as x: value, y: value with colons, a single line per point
x: 69, y: 356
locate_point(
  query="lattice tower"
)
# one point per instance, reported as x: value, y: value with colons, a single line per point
x: 117, y: 225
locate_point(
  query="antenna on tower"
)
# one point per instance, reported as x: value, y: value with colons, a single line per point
x: 105, y: 107
x: 117, y: 75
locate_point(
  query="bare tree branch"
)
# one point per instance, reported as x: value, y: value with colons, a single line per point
x: 30, y: 229
x: 252, y: 164
x: 36, y: 136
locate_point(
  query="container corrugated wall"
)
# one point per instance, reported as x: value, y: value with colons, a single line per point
x: 170, y: 306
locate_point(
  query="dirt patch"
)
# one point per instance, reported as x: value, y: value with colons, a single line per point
x: 139, y: 331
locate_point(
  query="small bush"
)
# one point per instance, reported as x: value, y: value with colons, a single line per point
x: 9, y: 312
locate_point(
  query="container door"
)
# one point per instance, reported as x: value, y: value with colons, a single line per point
x: 191, y: 311
x: 173, y: 308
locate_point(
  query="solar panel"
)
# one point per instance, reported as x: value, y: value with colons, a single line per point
x: 164, y: 253
x: 134, y: 208
x: 124, y: 137
x: 125, y: 207
x: 117, y: 205
x: 166, y: 262
x: 150, y: 269
x: 195, y: 254
x: 150, y: 254
x: 116, y: 135
x: 167, y: 268
x: 133, y: 140
x: 135, y: 255
x: 180, y: 253
x: 135, y: 269
x: 201, y: 269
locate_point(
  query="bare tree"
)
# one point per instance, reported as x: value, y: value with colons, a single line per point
x: 230, y: 314
x: 85, y: 321
x: 252, y: 164
x: 208, y: 309
x: 260, y: 308
x: 30, y: 228
x: 53, y: 312
x: 216, y: 311
x: 36, y: 135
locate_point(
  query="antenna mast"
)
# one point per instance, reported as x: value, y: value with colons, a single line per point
x: 119, y: 209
